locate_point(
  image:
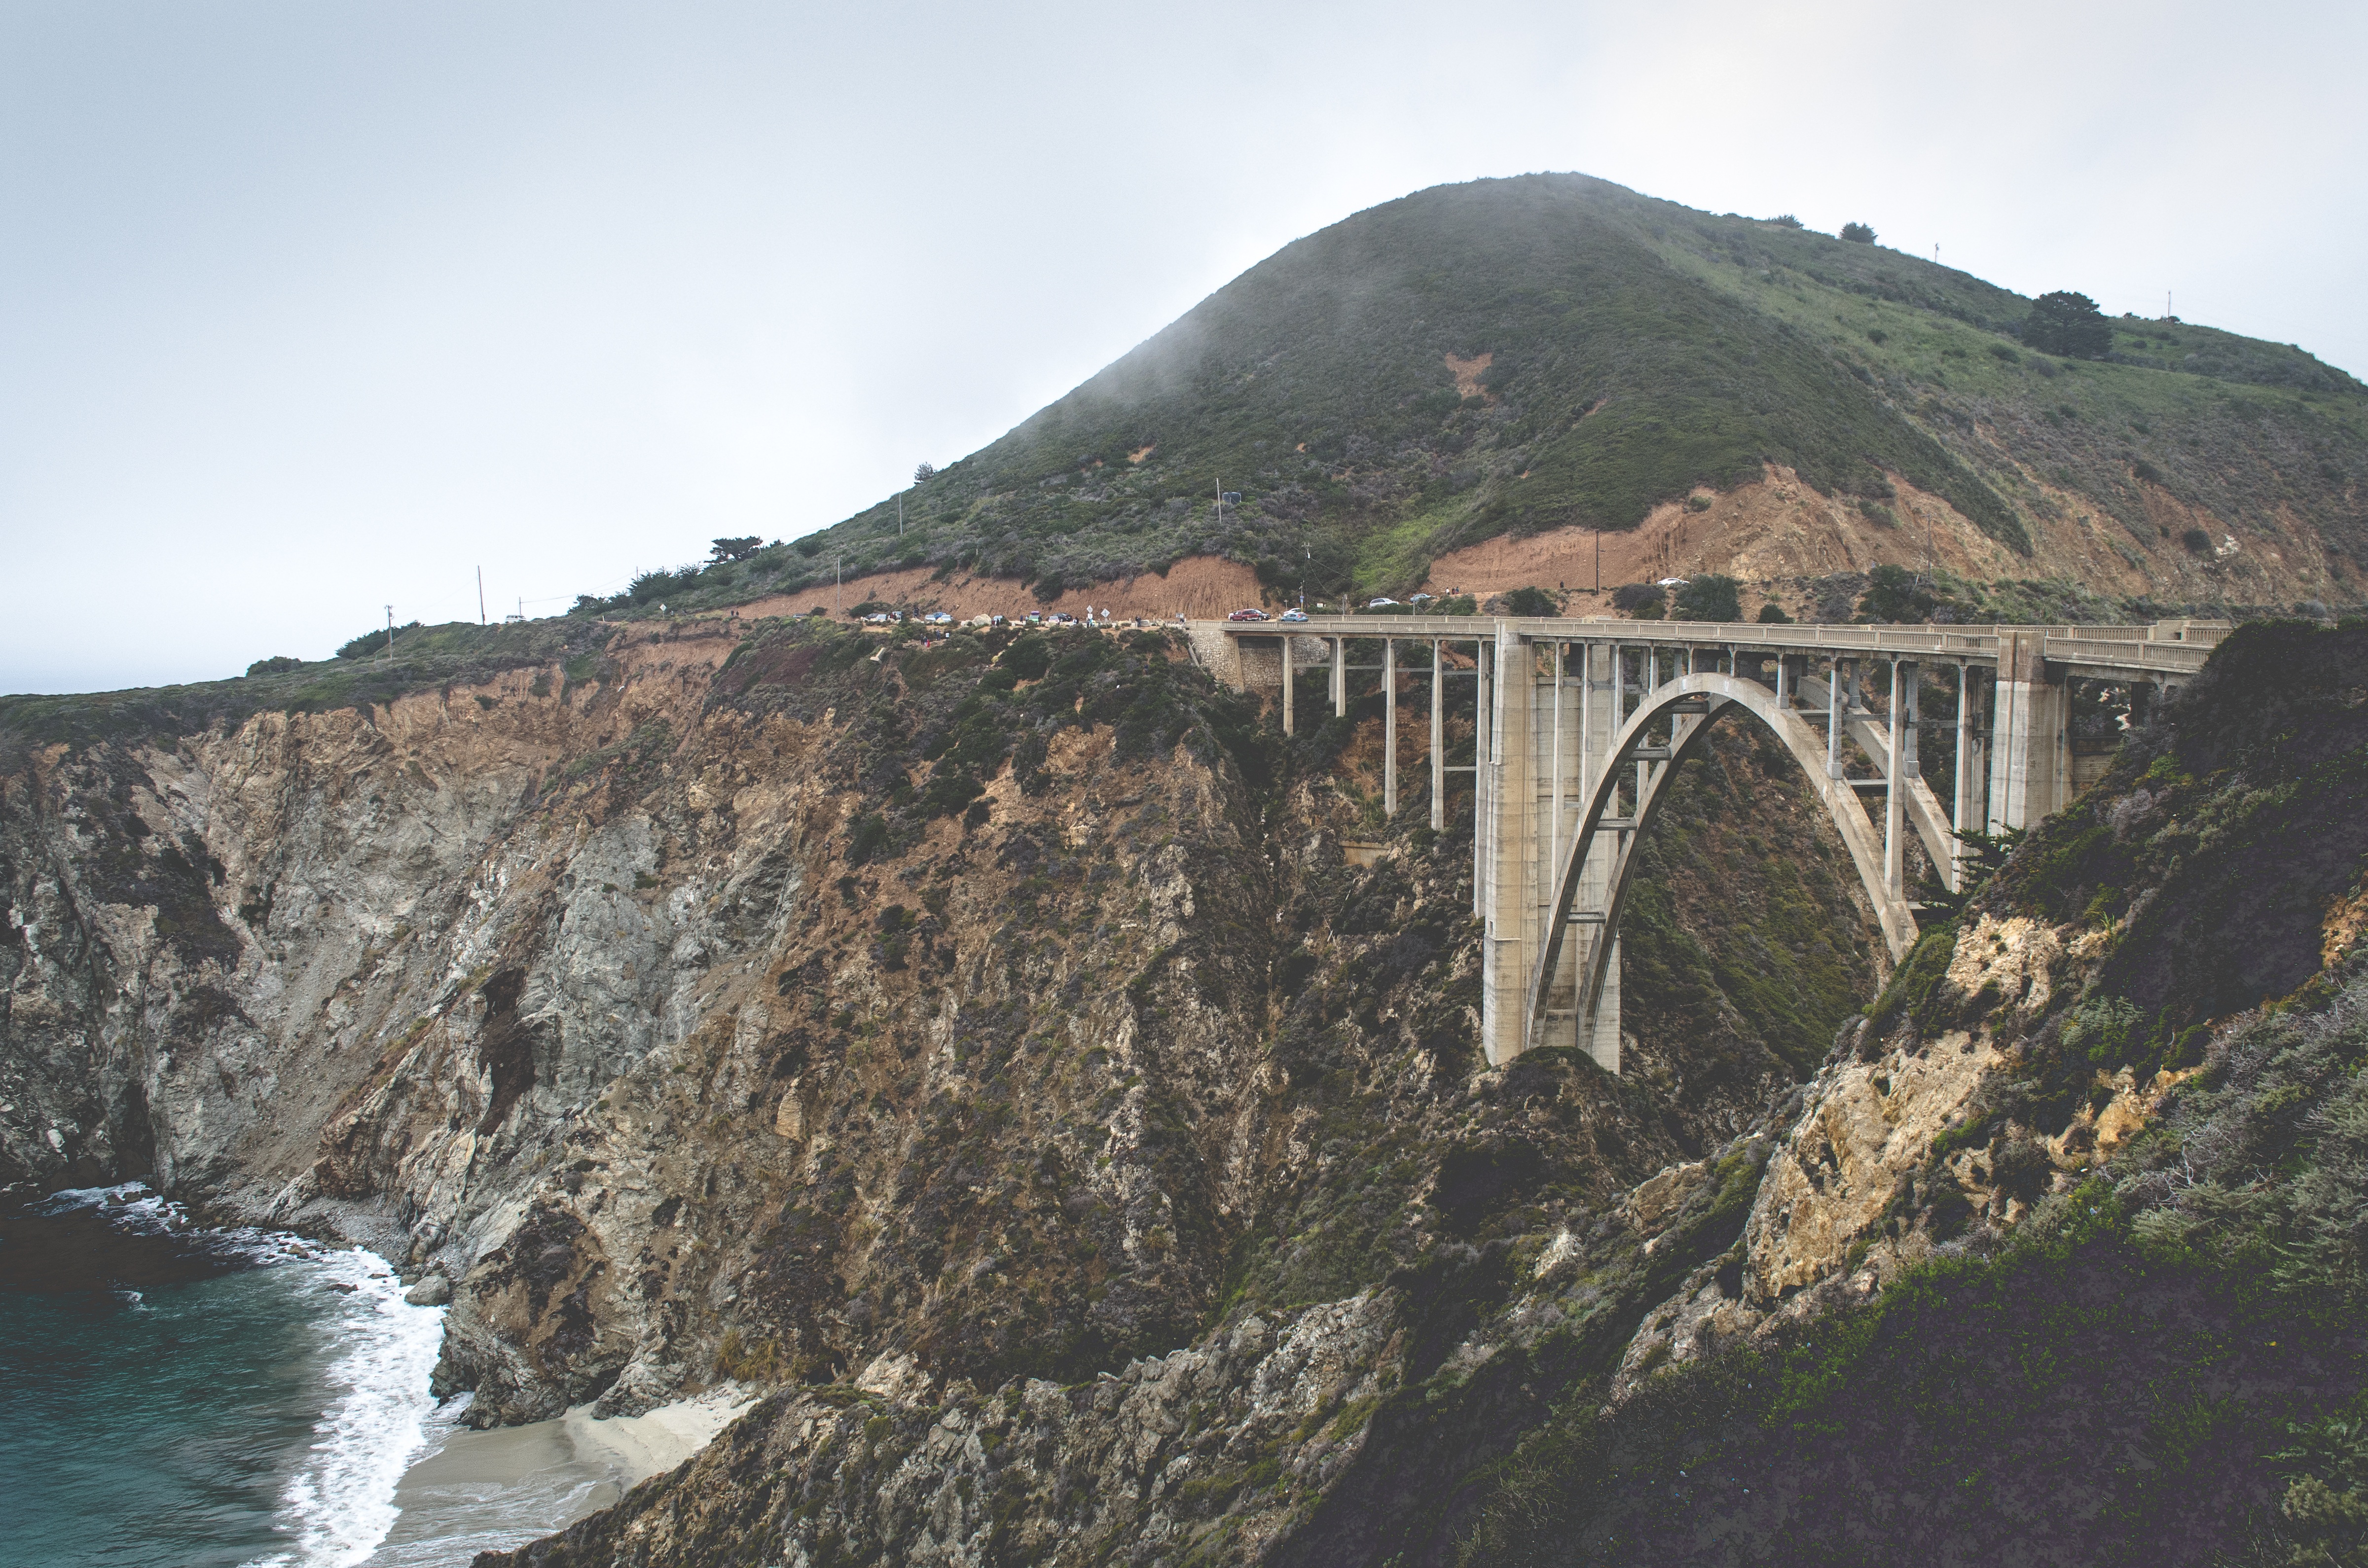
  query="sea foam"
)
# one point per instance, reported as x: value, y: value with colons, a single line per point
x: 339, y: 1502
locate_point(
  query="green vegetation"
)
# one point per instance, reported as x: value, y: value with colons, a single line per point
x: 461, y: 653
x: 1643, y: 601
x: 1516, y: 355
x: 1709, y: 596
x: 2067, y: 323
x: 2163, y: 1363
x: 378, y: 641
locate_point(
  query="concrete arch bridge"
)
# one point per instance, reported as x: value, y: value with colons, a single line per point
x: 1582, y: 725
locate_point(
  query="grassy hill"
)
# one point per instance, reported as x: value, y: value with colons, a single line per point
x: 1515, y: 355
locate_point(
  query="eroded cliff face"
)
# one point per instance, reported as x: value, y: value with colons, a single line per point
x: 993, y: 1050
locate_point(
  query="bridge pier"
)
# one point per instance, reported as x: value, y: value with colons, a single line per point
x: 1289, y: 681
x: 2030, y: 730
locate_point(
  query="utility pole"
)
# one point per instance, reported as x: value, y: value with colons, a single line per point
x: 481, y: 596
x: 1598, y: 561
x: 837, y: 578
x: 390, y: 634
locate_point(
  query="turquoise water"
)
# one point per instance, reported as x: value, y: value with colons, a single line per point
x: 200, y: 1400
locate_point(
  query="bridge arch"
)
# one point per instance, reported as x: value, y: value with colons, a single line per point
x: 1691, y: 704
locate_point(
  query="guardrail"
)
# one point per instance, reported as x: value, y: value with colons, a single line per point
x: 2169, y: 648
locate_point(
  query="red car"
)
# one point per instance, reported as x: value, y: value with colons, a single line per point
x: 1247, y: 615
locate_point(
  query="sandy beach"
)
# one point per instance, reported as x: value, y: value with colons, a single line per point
x: 475, y: 1491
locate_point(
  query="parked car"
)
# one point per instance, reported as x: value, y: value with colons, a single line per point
x: 1247, y: 615
x: 1035, y: 618
x: 1295, y: 615
x: 1381, y: 604
x: 938, y: 619
x: 1063, y: 618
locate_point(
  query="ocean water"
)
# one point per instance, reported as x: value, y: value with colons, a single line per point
x: 181, y: 1397
x: 201, y: 1398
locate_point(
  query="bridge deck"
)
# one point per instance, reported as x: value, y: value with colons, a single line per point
x: 2173, y: 649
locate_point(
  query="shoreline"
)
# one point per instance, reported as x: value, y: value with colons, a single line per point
x: 497, y: 1489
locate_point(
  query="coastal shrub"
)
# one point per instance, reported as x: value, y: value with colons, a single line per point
x: 647, y: 587
x: 1029, y: 658
x: 1895, y: 595
x: 374, y: 642
x: 1531, y: 601
x: 2067, y: 323
x: 1644, y: 601
x: 1858, y: 233
x: 1772, y: 614
x: 1710, y: 596
x: 277, y: 664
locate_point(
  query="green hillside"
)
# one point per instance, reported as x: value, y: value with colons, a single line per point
x: 1636, y: 351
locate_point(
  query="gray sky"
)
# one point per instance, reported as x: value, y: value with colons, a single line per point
x: 310, y: 307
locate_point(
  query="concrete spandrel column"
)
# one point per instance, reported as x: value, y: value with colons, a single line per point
x: 1389, y: 727
x: 1961, y: 797
x: 1339, y: 677
x: 1483, y: 746
x: 1598, y: 723
x: 1554, y: 773
x: 1438, y: 738
x: 1509, y: 843
x: 1834, y: 679
x: 1290, y: 680
x: 1898, y: 767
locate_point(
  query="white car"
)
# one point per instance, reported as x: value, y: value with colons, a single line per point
x: 1381, y: 604
x: 939, y: 618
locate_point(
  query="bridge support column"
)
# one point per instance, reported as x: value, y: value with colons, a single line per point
x: 1482, y: 793
x: 1438, y: 737
x: 2031, y: 748
x: 1899, y: 768
x: 1833, y: 678
x: 1509, y: 847
x: 1962, y: 813
x: 1597, y: 723
x: 1389, y: 727
x: 1339, y: 677
x: 1289, y: 681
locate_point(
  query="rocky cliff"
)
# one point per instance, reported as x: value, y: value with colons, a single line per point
x: 2060, y: 1245
x: 829, y: 1012
x: 1055, y: 1097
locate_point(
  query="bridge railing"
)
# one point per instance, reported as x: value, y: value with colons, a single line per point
x: 2174, y: 649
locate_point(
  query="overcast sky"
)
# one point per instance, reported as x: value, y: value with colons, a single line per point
x: 310, y: 307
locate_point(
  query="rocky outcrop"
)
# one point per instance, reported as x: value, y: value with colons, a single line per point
x: 1139, y: 1464
x: 928, y: 1034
